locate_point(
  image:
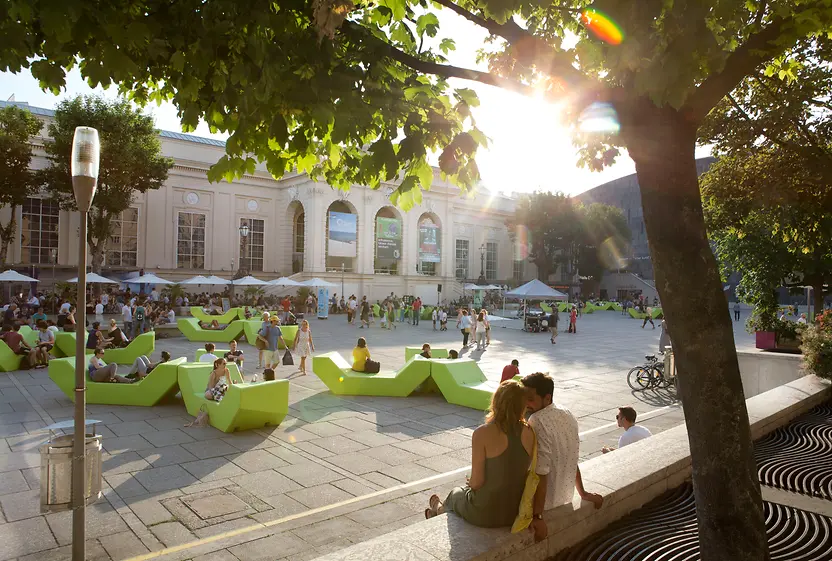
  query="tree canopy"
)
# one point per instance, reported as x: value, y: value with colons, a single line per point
x: 131, y: 161
x: 552, y: 230
x: 17, y: 181
x: 768, y: 198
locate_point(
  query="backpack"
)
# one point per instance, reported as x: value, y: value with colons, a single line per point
x: 140, y: 314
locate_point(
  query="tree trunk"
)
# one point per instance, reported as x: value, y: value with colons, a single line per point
x: 728, y: 499
x: 7, y: 236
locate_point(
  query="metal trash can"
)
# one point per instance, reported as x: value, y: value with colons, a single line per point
x: 56, y: 472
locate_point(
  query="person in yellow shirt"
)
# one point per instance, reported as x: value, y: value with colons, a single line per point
x: 361, y: 358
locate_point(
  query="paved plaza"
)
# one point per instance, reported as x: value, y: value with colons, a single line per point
x: 337, y: 471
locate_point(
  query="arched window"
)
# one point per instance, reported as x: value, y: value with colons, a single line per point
x: 388, y: 241
x: 341, y: 237
x: 430, y: 245
x: 298, y: 218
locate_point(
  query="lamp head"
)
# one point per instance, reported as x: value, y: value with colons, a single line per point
x: 244, y: 230
x: 85, y: 158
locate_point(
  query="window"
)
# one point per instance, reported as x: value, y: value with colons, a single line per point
x: 300, y: 232
x: 123, y: 245
x: 252, y: 247
x: 519, y: 270
x: 190, y: 241
x: 491, y: 261
x: 39, y: 231
x: 462, y: 259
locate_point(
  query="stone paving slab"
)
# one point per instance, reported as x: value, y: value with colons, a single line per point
x: 330, y: 450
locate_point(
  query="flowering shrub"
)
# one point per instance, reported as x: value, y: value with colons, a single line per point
x: 817, y: 346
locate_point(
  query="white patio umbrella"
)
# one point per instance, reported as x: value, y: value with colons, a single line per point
x: 199, y: 279
x: 318, y: 283
x: 14, y: 276
x: 149, y: 278
x: 214, y: 280
x: 284, y: 281
x: 92, y: 278
x: 249, y: 281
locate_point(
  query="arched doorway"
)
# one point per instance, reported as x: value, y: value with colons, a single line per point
x: 341, y: 237
x: 429, y: 256
x: 387, y: 242
x: 297, y: 218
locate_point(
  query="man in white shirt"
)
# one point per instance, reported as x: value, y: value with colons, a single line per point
x: 209, y: 355
x: 632, y: 432
x: 64, y: 310
x: 99, y: 313
x: 171, y: 316
x: 558, y: 447
x: 105, y: 299
x: 154, y: 295
x: 126, y: 318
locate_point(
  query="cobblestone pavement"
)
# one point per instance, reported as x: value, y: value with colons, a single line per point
x: 336, y: 472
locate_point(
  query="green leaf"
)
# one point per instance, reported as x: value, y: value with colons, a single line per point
x: 447, y: 45
x: 427, y: 22
x: 398, y: 8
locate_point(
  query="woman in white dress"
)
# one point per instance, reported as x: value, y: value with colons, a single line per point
x: 303, y: 345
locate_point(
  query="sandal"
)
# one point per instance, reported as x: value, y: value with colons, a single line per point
x: 435, y: 505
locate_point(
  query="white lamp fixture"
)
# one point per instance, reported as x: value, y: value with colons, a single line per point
x: 85, y: 159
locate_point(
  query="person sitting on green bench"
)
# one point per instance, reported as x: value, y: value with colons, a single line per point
x: 102, y: 372
x: 142, y: 366
x: 234, y: 355
x: 116, y: 335
x: 218, y: 381
x: 361, y: 358
x: 46, y: 341
x: 209, y: 355
x: 96, y: 339
x: 425, y: 351
x: 14, y: 340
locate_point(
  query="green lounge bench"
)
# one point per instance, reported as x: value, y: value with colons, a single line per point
x: 462, y: 383
x: 545, y: 307
x: 29, y: 335
x: 9, y: 361
x: 657, y: 313
x: 143, y: 344
x: 234, y: 313
x: 251, y: 327
x: 190, y: 329
x: 339, y: 377
x: 635, y: 314
x: 160, y: 384
x: 245, y: 406
x: 435, y: 352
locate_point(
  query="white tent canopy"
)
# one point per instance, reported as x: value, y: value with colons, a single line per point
x: 249, y: 280
x: 471, y: 286
x: 149, y: 278
x: 92, y: 278
x: 318, y: 283
x: 536, y: 290
x: 14, y: 276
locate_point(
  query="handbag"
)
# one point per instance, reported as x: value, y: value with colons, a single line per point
x: 287, y: 358
x: 261, y: 343
x: 201, y: 419
x: 526, y: 511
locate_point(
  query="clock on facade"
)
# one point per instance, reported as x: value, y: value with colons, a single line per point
x: 192, y: 198
x: 252, y: 206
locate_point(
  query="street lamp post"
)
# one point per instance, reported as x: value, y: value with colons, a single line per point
x: 244, y: 235
x: 84, y: 168
x: 481, y: 280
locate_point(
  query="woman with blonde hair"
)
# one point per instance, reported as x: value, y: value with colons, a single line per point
x: 501, y: 451
x: 303, y: 344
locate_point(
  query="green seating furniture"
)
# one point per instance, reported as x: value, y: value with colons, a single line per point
x: 251, y: 327
x: 564, y: 306
x: 143, y: 344
x: 160, y: 384
x: 545, y: 307
x: 462, y: 383
x: 234, y: 313
x: 589, y: 308
x: 190, y: 329
x: 435, y: 352
x: 339, y: 377
x: 376, y: 310
x: 245, y: 405
x: 657, y: 313
x: 635, y: 314
x: 9, y: 361
x: 29, y: 335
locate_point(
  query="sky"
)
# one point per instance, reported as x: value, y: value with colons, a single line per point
x: 530, y: 149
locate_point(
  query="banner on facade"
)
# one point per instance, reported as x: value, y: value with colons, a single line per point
x: 323, y: 302
x: 430, y: 239
x: 388, y: 238
x: 343, y: 234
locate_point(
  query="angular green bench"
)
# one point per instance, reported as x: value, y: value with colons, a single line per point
x: 29, y: 335
x: 234, y: 313
x: 160, y: 384
x: 545, y: 307
x: 435, y: 352
x: 245, y: 406
x: 462, y: 383
x: 251, y: 327
x: 635, y: 314
x: 339, y: 377
x: 9, y: 361
x: 190, y: 329
x: 143, y: 344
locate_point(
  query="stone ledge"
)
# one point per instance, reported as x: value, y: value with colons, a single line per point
x: 628, y: 479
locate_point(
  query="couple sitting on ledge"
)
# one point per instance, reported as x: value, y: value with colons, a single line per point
x: 501, y: 455
x: 214, y: 325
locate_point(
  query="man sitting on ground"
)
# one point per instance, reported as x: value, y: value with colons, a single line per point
x: 632, y: 432
x: 558, y: 445
x: 209, y: 355
x: 511, y: 370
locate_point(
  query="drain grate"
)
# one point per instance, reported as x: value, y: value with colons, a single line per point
x: 665, y: 530
x: 798, y: 456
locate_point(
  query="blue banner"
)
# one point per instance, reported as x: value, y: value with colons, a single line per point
x: 323, y: 302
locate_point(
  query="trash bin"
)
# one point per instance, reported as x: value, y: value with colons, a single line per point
x: 56, y: 472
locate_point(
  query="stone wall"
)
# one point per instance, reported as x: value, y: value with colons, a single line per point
x: 763, y: 371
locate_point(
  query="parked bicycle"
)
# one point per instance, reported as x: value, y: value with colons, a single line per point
x: 649, y: 375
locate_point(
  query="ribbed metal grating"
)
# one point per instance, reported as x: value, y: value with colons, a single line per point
x: 665, y: 530
x: 798, y: 456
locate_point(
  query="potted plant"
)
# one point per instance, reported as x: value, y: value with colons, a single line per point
x: 816, y: 345
x: 763, y: 323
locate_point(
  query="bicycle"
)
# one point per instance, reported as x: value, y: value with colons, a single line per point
x: 648, y: 375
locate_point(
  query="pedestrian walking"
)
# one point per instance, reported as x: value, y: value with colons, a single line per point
x: 303, y: 345
x: 736, y: 311
x: 465, y: 327
x: 553, y: 324
x: 648, y: 317
x: 434, y: 316
x: 573, y: 320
